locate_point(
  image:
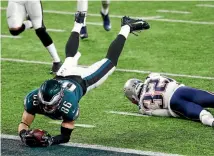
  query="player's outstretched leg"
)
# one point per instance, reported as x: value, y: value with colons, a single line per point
x: 105, y: 15
x: 73, y: 41
x: 72, y: 45
x: 97, y: 73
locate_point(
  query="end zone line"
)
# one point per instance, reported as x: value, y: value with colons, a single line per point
x: 101, y: 147
x: 126, y: 113
x: 120, y: 70
x: 76, y: 125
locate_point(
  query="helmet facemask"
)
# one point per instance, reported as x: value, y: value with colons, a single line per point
x: 50, y: 95
x: 132, y: 90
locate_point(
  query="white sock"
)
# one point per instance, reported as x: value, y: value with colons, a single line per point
x: 206, y: 118
x: 28, y: 24
x: 77, y: 27
x: 52, y: 50
x: 125, y: 30
x: 104, y: 11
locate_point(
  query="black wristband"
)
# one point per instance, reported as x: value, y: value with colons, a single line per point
x: 25, y: 124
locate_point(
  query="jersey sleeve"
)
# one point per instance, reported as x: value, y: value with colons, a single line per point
x: 30, y: 101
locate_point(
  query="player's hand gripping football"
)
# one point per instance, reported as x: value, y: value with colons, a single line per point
x: 36, y: 138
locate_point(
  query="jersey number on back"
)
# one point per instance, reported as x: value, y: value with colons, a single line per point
x: 153, y: 97
x: 66, y: 107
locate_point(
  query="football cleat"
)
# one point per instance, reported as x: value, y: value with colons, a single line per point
x: 83, y: 32
x: 55, y: 67
x: 79, y: 17
x: 106, y: 21
x: 135, y: 24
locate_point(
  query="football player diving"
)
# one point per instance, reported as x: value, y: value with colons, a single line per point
x: 18, y: 11
x: 58, y: 98
x: 82, y: 6
x: 162, y: 96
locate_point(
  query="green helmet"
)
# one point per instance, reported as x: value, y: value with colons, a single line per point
x: 50, y: 95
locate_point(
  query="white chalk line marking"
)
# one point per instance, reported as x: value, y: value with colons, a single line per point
x: 90, y: 14
x: 55, y: 30
x: 76, y: 125
x: 153, y: 18
x: 205, y: 5
x: 174, y: 11
x: 10, y: 36
x: 184, y: 21
x: 101, y: 147
x: 94, y: 23
x: 120, y: 70
x: 126, y: 113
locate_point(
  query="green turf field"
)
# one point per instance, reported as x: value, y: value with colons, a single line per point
x: 171, y: 47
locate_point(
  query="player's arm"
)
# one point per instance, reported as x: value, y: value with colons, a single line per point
x: 156, y: 112
x: 24, y: 125
x: 66, y: 130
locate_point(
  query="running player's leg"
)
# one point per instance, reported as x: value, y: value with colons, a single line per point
x: 16, y: 15
x: 105, y: 15
x: 35, y: 12
x: 82, y: 6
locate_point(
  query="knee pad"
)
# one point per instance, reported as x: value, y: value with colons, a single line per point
x: 14, y: 32
x: 17, y: 31
x: 44, y: 36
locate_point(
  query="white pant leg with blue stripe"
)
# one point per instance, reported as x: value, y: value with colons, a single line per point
x: 93, y: 75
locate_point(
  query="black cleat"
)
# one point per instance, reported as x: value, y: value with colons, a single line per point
x: 55, y: 67
x: 83, y: 32
x: 79, y: 17
x: 135, y: 24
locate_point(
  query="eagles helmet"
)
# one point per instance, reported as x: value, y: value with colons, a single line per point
x: 50, y: 95
x: 132, y: 89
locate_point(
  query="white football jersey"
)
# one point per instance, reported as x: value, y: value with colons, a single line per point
x: 157, y: 92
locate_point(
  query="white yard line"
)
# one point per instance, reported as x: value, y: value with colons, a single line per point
x: 76, y: 125
x: 90, y: 14
x: 205, y: 5
x: 10, y: 36
x: 55, y: 30
x: 120, y: 70
x: 126, y: 113
x: 184, y: 21
x: 94, y: 23
x: 174, y: 11
x: 152, y: 18
x: 101, y: 147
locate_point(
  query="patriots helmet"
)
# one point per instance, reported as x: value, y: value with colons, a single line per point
x: 50, y: 95
x: 132, y: 89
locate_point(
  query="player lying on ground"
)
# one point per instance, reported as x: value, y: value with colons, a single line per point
x: 162, y: 96
x: 58, y: 98
x: 82, y: 6
x: 18, y: 11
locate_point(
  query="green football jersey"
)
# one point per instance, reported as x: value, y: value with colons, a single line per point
x: 68, y: 109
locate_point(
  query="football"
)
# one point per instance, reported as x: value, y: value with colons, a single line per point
x: 37, y: 133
